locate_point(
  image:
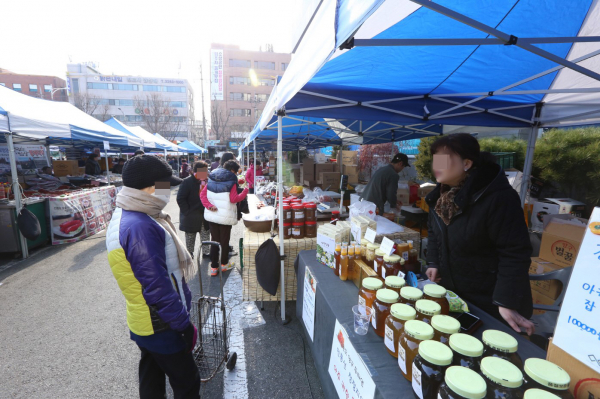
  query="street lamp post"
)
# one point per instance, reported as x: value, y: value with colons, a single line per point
x: 122, y: 113
x: 54, y: 91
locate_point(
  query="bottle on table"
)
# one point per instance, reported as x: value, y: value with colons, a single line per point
x: 344, y: 264
x: 337, y: 254
x: 351, y: 266
x: 357, y: 256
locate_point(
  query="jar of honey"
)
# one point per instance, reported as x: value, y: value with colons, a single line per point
x: 298, y: 213
x: 443, y: 327
x: 437, y: 293
x: 467, y: 350
x: 504, y: 380
x: 402, y: 250
x: 310, y: 212
x: 462, y: 383
x: 410, y: 295
x: 298, y: 230
x: 364, y: 244
x: 429, y: 368
x: 426, y: 309
x: 371, y: 248
x: 287, y: 231
x: 390, y: 265
x: 368, y: 290
x: 394, y: 326
x: 394, y: 283
x: 500, y: 344
x: 310, y: 229
x: 287, y: 214
x: 378, y: 264
x: 384, y: 299
x: 534, y: 393
x: 545, y: 375
x: 415, y: 331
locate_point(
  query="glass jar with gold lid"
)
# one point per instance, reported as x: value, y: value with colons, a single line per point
x: 395, y: 283
x: 384, y: 300
x: 394, y: 326
x: 443, y: 327
x: 415, y: 331
x: 390, y: 265
x: 467, y: 351
x: 437, y: 293
x: 426, y: 309
x: 410, y: 295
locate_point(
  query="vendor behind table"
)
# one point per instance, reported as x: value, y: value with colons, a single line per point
x: 383, y: 186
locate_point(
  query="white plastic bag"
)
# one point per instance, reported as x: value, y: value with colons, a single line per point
x: 364, y: 208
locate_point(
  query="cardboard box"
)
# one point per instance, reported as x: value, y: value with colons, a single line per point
x: 330, y: 179
x: 308, y: 169
x: 295, y: 175
x: 320, y: 157
x: 554, y: 206
x: 403, y: 195
x: 352, y: 172
x: 81, y: 170
x: 550, y: 288
x: 310, y: 183
x: 425, y: 189
x: 540, y: 299
x: 349, y: 157
x: 361, y: 271
x: 64, y: 168
x: 322, y: 168
x: 561, y: 239
x: 585, y: 382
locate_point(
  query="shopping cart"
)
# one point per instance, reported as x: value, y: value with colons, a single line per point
x: 212, y: 318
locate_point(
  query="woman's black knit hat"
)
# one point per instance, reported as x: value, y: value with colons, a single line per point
x: 144, y: 171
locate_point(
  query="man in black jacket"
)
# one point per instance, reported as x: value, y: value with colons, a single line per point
x: 92, y: 167
x: 191, y: 210
x: 383, y: 186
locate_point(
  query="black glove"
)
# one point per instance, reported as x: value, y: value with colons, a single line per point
x: 189, y: 335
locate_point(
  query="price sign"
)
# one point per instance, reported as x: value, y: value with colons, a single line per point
x: 370, y: 235
x: 356, y: 232
x: 387, y: 246
x: 106, y: 145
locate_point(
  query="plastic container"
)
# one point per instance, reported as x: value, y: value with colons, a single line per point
x: 287, y: 231
x: 394, y: 283
x: 426, y: 309
x: 467, y: 351
x: 500, y: 344
x: 443, y: 327
x: 298, y: 230
x: 368, y: 290
x: 429, y: 368
x: 410, y: 295
x: 415, y: 331
x: 394, y: 326
x: 298, y: 213
x: 545, y: 375
x: 462, y: 383
x: 437, y: 293
x: 390, y: 265
x: 310, y: 229
x: 310, y: 212
x: 384, y: 299
x: 504, y: 380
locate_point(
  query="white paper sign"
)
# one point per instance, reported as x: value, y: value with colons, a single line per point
x: 370, y: 235
x: 347, y: 369
x: 578, y: 327
x: 308, y: 302
x: 387, y: 246
x: 106, y: 145
x: 356, y: 232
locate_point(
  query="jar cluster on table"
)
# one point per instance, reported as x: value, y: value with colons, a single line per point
x: 299, y: 220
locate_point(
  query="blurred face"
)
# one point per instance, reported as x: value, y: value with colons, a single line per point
x: 449, y: 168
x: 201, y: 173
x: 162, y: 188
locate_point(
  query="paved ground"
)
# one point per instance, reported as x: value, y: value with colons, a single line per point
x: 64, y: 334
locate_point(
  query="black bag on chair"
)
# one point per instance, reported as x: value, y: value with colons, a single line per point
x: 29, y: 225
x: 268, y: 270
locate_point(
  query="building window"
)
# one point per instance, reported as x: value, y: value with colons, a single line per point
x: 47, y: 88
x: 98, y: 86
x: 116, y: 86
x: 133, y: 118
x: 123, y: 103
x: 17, y: 86
x: 284, y: 66
x: 240, y: 63
x: 261, y: 97
x: 177, y: 104
x: 238, y: 80
x: 175, y: 89
x: 239, y: 112
x: 264, y: 65
x: 239, y: 96
x: 32, y: 88
x: 266, y: 82
x: 151, y: 88
x: 75, y: 85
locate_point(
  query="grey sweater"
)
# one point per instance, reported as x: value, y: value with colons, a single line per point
x: 382, y: 187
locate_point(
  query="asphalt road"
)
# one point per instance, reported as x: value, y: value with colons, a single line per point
x: 63, y: 332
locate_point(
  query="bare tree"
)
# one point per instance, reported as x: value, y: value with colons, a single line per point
x: 158, y: 116
x: 93, y: 105
x: 239, y: 132
x: 219, y: 120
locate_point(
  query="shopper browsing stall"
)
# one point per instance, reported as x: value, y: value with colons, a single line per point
x: 118, y: 167
x: 92, y: 167
x: 191, y: 209
x: 250, y: 175
x: 478, y: 242
x: 383, y: 186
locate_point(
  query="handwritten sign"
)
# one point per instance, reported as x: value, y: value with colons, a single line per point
x: 308, y: 302
x: 370, y: 235
x: 387, y: 246
x: 347, y: 370
x: 578, y: 327
x: 356, y: 232
x: 106, y: 145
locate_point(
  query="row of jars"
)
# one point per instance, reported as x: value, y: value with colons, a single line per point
x: 299, y: 230
x: 296, y: 212
x: 384, y: 265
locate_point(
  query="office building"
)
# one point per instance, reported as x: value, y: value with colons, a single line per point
x: 241, y: 82
x: 159, y: 105
x: 40, y: 86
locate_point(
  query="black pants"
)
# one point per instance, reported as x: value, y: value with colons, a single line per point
x: 220, y: 233
x: 179, y: 367
x: 251, y: 190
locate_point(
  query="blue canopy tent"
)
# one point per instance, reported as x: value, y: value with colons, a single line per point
x: 493, y: 63
x: 147, y: 139
x: 193, y: 147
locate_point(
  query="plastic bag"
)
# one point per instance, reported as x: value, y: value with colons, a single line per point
x: 359, y: 188
x: 364, y: 208
x: 310, y: 196
x: 385, y: 226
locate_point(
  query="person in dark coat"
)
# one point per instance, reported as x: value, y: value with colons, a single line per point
x: 191, y: 210
x: 118, y: 167
x: 92, y: 167
x: 478, y: 243
x: 383, y: 186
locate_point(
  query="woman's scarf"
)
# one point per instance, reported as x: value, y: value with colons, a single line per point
x: 445, y: 207
x: 131, y: 199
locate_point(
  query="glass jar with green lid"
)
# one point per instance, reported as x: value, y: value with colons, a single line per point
x: 410, y: 295
x: 368, y: 291
x: 462, y: 383
x: 504, y: 380
x: 381, y: 309
x: 443, y: 327
x: 437, y: 293
x: 395, y: 283
x: 415, y: 331
x: 394, y: 326
x: 500, y: 344
x: 390, y: 265
x: 535, y: 393
x: 542, y: 374
x: 467, y: 351
x: 378, y: 264
x: 426, y: 309
x: 371, y: 248
x: 429, y: 368
x: 364, y: 245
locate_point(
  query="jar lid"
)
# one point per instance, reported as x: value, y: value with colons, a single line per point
x: 435, y: 353
x: 428, y: 307
x: 502, y: 372
x: 547, y: 374
x: 310, y: 223
x: 387, y: 296
x: 393, y: 258
x: 411, y: 293
x: 286, y: 207
x: 365, y: 242
x: 298, y: 224
x: 500, y: 341
x: 434, y: 290
x: 446, y: 324
x: 465, y: 344
x: 287, y: 224
x: 418, y: 329
x: 465, y: 382
x: 298, y: 206
x: 379, y: 252
x: 310, y: 205
x: 403, y: 312
x: 372, y: 283
x: 372, y: 246
x: 395, y: 282
x: 535, y: 393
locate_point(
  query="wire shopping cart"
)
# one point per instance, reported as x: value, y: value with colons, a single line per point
x: 212, y: 318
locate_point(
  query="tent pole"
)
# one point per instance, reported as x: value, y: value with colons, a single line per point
x: 17, y: 188
x: 528, y: 163
x: 254, y: 174
x: 107, y: 170
x: 280, y: 206
x: 48, y: 156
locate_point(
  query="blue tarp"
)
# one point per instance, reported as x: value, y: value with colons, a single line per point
x: 192, y: 147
